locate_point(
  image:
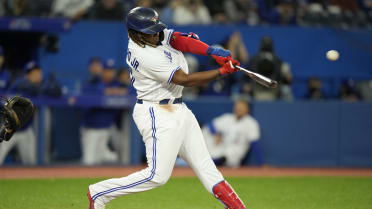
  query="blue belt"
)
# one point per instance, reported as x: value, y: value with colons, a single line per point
x: 164, y: 101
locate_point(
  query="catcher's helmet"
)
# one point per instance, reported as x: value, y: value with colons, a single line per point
x: 145, y: 20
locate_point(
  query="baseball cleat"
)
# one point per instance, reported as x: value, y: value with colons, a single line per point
x: 91, y: 203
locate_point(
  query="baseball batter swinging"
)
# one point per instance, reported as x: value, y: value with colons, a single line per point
x: 159, y: 72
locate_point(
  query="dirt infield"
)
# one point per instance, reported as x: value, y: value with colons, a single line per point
x: 111, y: 171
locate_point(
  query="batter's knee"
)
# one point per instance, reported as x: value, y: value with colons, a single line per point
x: 160, y: 180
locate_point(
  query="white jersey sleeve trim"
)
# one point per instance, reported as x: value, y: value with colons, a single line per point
x: 172, y: 74
x: 170, y: 35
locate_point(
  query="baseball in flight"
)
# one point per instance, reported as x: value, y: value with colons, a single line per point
x: 332, y: 55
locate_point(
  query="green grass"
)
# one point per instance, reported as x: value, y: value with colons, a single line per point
x: 188, y: 193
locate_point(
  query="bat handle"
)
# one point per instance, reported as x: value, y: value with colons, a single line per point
x: 233, y: 66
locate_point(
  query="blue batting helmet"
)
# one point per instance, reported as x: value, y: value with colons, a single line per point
x: 145, y: 20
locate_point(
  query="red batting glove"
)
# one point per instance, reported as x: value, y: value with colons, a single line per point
x: 229, y: 67
x: 221, y: 60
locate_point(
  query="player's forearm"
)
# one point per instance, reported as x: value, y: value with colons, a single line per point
x: 195, y: 79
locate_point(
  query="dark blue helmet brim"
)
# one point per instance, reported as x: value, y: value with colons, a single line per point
x: 154, y: 29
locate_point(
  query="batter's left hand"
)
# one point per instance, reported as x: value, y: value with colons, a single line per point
x: 229, y: 67
x: 221, y: 60
x: 218, y: 52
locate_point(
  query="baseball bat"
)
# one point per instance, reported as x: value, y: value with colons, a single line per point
x: 260, y: 78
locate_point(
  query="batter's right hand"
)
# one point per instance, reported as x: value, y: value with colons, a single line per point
x: 229, y: 67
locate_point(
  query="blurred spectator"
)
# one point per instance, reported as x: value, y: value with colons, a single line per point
x: 25, y: 7
x: 95, y: 71
x: 267, y: 63
x: 144, y: 3
x: 365, y: 88
x: 159, y: 5
x: 345, y: 5
x: 2, y: 9
x: 314, y: 14
x: 349, y: 10
x: 123, y: 78
x: 239, y: 51
x: 112, y: 86
x: 217, y: 10
x: 314, y: 89
x: 16, y: 8
x: 335, y: 13
x: 51, y: 86
x: 278, y: 12
x: 230, y: 136
x: 286, y: 81
x: 365, y: 5
x: 167, y: 12
x: 97, y: 122
x: 242, y: 11
x: 237, y: 48
x: 32, y: 84
x: 190, y: 12
x: 73, y: 9
x: 107, y: 10
x: 124, y: 81
x: 267, y: 11
x: 4, y: 73
x: 349, y: 91
x: 287, y: 12
x: 334, y: 17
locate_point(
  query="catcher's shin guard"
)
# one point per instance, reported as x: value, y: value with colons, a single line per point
x: 227, y: 196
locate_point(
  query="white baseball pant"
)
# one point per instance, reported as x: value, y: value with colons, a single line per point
x: 95, y: 150
x: 167, y: 131
x: 25, y: 142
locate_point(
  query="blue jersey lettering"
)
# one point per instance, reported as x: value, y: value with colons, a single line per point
x: 129, y: 54
x: 134, y: 63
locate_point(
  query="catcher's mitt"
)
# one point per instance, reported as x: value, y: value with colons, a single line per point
x: 15, y: 112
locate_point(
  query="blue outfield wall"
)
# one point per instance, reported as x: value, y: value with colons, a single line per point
x: 292, y: 134
x: 299, y: 133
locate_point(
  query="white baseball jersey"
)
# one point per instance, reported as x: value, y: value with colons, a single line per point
x: 152, y: 69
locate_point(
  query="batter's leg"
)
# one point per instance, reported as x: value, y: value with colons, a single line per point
x: 194, y: 151
x: 162, y: 145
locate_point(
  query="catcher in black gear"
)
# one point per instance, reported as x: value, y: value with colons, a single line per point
x: 15, y: 112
